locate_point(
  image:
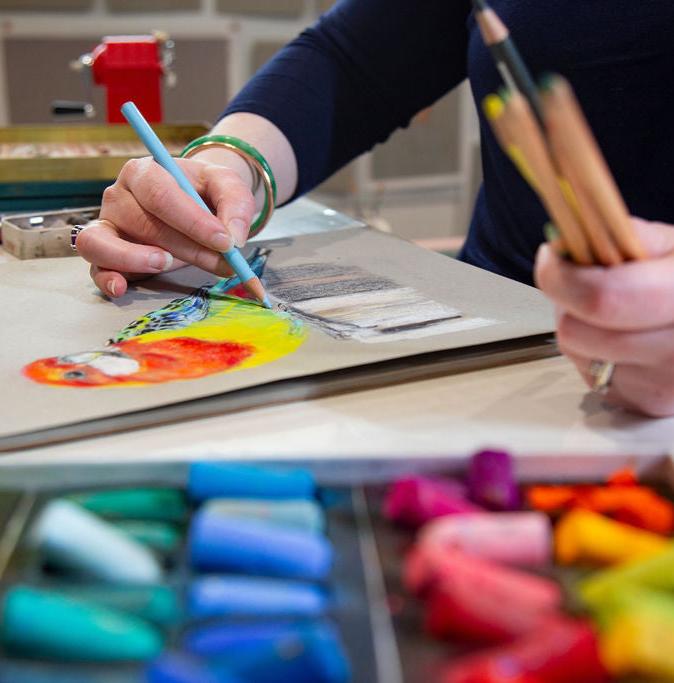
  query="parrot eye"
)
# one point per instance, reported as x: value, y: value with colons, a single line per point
x: 74, y: 374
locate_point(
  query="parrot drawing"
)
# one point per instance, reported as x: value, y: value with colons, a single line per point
x: 214, y: 329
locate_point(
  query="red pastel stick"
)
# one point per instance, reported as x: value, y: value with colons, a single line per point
x: 560, y: 651
x: 471, y: 598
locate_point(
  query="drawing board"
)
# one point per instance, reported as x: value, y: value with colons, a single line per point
x: 346, y: 299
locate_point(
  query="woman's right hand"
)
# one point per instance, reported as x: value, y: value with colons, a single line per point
x: 148, y: 225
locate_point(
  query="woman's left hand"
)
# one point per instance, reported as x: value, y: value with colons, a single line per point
x: 623, y: 314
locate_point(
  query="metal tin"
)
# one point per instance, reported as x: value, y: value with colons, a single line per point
x: 43, y: 235
x: 49, y: 167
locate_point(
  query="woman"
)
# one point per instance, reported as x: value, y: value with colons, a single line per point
x: 363, y: 71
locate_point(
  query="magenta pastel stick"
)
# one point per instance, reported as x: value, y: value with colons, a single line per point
x: 491, y: 481
x: 413, y: 501
x: 518, y: 538
x: 475, y: 599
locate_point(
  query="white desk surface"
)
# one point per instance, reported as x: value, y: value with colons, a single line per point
x: 536, y: 408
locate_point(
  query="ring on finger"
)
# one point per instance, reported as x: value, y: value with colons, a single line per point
x: 602, y: 372
x: 77, y: 229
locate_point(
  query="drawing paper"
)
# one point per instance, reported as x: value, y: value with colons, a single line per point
x: 360, y: 296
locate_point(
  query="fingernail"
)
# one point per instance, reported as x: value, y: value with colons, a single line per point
x: 221, y: 241
x: 160, y: 260
x: 112, y: 286
x: 238, y: 230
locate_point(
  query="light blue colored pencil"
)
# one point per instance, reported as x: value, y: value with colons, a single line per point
x: 161, y: 155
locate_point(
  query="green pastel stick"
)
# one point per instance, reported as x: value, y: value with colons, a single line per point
x: 160, y: 536
x: 655, y: 572
x: 43, y: 624
x: 159, y: 504
x: 158, y: 604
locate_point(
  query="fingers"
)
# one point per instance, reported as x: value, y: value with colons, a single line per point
x: 637, y: 295
x: 100, y: 244
x: 157, y: 193
x: 148, y: 229
x: 657, y: 238
x: 624, y: 315
x: 647, y: 348
x: 111, y: 283
x: 648, y: 391
x: 232, y: 199
x: 114, y: 284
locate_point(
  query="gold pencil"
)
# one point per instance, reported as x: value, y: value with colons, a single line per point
x: 572, y: 139
x: 527, y: 136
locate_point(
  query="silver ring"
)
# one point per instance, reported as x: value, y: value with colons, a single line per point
x: 77, y: 229
x: 602, y: 372
x: 74, y: 232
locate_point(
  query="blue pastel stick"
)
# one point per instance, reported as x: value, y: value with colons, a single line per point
x: 234, y: 596
x: 301, y: 513
x: 237, y: 640
x: 228, y: 480
x: 174, y: 667
x: 276, y: 653
x: 165, y: 160
x: 222, y: 544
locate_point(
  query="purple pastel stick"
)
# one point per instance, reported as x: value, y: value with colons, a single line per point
x: 491, y: 481
x: 413, y: 501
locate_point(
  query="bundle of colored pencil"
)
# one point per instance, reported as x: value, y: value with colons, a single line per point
x: 547, y: 137
x: 564, y: 166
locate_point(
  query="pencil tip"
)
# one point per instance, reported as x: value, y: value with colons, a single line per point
x: 266, y: 302
x: 480, y: 5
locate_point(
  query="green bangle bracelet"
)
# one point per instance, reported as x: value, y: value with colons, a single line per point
x: 253, y: 158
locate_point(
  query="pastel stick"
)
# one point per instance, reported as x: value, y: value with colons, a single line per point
x: 43, y: 624
x: 73, y: 540
x: 278, y: 653
x: 227, y: 480
x: 303, y: 514
x: 157, y: 604
x: 230, y: 596
x: 149, y: 504
x: 222, y: 544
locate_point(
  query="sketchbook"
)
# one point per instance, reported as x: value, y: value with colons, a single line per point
x: 349, y: 306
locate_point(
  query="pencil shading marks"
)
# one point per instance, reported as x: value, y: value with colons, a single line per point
x: 347, y: 302
x: 320, y: 280
x: 212, y: 330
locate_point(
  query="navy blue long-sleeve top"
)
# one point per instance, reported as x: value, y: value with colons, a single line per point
x: 368, y: 66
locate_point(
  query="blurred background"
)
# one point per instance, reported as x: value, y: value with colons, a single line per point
x: 421, y: 184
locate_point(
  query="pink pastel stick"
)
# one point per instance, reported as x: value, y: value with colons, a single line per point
x: 413, y: 501
x: 475, y: 599
x: 518, y: 538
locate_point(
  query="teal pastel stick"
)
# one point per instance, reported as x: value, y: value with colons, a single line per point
x: 43, y: 624
x: 158, y: 604
x: 161, y: 155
